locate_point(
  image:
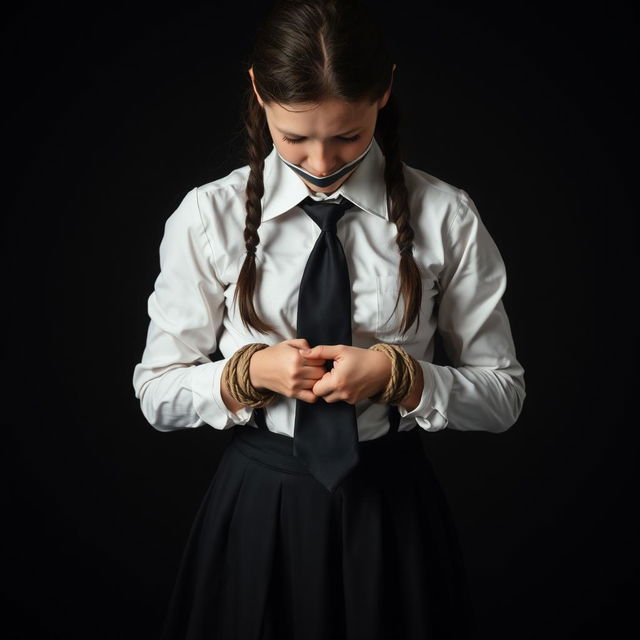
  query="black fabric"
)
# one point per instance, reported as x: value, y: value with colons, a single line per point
x: 393, y: 413
x: 272, y: 555
x: 326, y: 433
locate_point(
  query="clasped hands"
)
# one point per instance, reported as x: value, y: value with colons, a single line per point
x: 284, y: 368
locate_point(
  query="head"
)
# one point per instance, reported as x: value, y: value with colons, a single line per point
x: 322, y: 137
x: 319, y: 88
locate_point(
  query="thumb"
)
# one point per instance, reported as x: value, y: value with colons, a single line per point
x: 322, y: 351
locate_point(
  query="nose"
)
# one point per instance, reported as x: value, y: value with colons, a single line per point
x: 321, y: 160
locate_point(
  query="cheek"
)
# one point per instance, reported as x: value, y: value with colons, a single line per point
x: 291, y: 152
x: 359, y: 147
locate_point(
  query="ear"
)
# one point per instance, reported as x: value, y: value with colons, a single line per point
x: 385, y: 98
x: 253, y: 82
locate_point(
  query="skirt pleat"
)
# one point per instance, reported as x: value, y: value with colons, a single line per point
x: 273, y: 555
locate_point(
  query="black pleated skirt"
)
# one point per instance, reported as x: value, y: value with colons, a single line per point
x: 273, y: 555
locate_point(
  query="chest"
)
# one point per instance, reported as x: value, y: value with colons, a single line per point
x: 371, y: 252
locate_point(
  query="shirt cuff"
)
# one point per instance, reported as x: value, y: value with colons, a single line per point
x: 430, y: 413
x: 207, y: 398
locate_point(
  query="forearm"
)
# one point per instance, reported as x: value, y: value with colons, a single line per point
x: 166, y: 400
x: 185, y: 397
x: 468, y: 398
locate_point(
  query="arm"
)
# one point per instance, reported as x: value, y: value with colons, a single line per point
x: 379, y: 369
x: 485, y: 389
x: 233, y: 405
x: 412, y: 399
x: 177, y: 383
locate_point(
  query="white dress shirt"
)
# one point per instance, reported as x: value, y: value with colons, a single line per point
x: 463, y: 280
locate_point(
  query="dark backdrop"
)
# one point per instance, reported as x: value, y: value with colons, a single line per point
x: 113, y: 112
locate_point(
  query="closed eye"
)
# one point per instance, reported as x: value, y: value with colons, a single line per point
x: 341, y: 138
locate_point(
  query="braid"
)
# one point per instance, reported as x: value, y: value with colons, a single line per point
x: 257, y: 142
x: 399, y: 212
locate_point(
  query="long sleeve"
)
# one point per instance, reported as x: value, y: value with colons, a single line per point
x: 176, y: 381
x: 484, y: 390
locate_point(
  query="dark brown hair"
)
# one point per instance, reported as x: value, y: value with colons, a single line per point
x: 307, y: 51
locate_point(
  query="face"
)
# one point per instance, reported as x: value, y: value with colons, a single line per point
x: 322, y: 137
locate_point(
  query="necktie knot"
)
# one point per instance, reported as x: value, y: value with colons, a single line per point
x: 325, y: 214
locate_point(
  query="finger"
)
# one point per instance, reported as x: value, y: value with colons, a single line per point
x: 307, y: 396
x: 313, y: 362
x: 306, y: 385
x: 299, y: 343
x: 324, y: 387
x: 324, y: 351
x: 326, y: 390
x: 330, y: 396
x: 313, y: 371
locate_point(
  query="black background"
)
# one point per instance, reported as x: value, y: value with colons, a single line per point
x: 113, y: 112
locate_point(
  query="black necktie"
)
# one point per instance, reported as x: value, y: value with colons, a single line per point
x: 325, y: 433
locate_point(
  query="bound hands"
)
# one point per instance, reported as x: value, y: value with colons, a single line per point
x: 356, y: 374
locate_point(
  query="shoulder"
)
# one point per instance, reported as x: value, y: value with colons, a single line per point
x: 213, y: 199
x: 217, y: 206
x: 221, y: 202
x: 435, y: 201
x: 225, y: 190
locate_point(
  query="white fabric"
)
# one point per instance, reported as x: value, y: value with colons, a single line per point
x: 463, y: 278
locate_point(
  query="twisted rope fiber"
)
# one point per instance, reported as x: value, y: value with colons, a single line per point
x: 404, y: 370
x: 238, y: 380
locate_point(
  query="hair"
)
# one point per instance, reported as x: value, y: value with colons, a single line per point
x: 308, y: 51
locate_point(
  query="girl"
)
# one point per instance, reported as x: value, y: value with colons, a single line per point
x: 272, y: 553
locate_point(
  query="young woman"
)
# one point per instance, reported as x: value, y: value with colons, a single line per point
x: 272, y: 553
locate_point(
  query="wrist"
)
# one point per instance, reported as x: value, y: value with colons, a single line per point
x: 403, y: 374
x: 231, y: 403
x: 237, y: 378
x: 385, y: 367
x: 255, y: 368
x: 412, y: 399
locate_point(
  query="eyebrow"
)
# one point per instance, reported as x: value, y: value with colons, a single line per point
x: 295, y: 135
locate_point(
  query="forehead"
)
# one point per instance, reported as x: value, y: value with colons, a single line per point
x: 325, y: 116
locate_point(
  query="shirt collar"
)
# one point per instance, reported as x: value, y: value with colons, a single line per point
x: 365, y: 187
